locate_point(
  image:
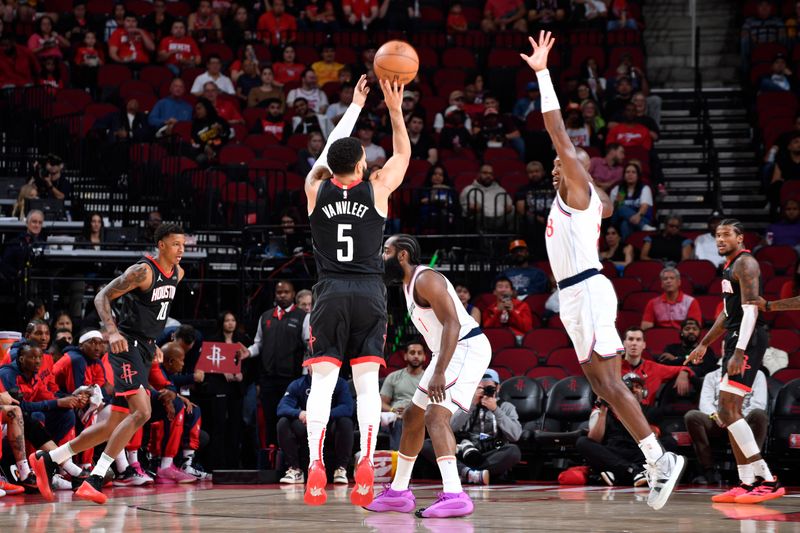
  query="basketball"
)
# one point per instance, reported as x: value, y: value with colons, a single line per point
x: 396, y: 60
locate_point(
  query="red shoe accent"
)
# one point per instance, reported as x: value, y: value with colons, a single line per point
x: 11, y: 489
x: 315, y: 487
x: 42, y: 479
x: 362, y: 494
x: 87, y: 492
x: 765, y: 491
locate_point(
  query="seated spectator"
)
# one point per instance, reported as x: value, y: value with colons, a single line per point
x: 499, y: 15
x: 787, y: 230
x: 306, y: 120
x: 704, y: 425
x: 293, y: 434
x: 268, y: 90
x: 276, y: 27
x: 209, y: 132
x: 455, y: 135
x: 495, y: 131
x: 46, y: 42
x: 548, y: 14
x: 170, y: 110
x: 115, y: 21
x: 75, y: 25
x: 787, y: 167
x: 628, y: 132
x: 204, y: 24
x: 641, y: 117
x: 93, y: 232
x: 486, y: 435
x: 765, y: 27
x: 178, y: 51
x: 654, y: 374
x: 528, y: 103
x: 438, y: 201
x: 129, y: 44
x: 316, y: 99
x: 633, y: 202
x: 87, y: 61
x: 456, y: 102
x: 609, y: 448
x: 226, y: 109
x: 359, y: 13
x: 508, y: 311
x: 374, y: 153
x: 590, y: 72
x: 273, y: 122
x: 327, y: 69
x: 237, y: 31
x: 53, y: 184
x: 595, y: 122
x: 213, y: 73
x: 308, y: 156
x: 616, y: 251
x: 159, y: 21
x: 526, y: 279
x: 486, y: 201
x: 533, y: 202
x: 423, y: 146
x: 619, y: 18
x: 129, y: 125
x: 579, y: 133
x: 18, y: 65
x: 675, y: 354
x: 456, y: 21
x: 336, y: 111
x: 705, y: 245
x: 622, y: 95
x: 607, y: 171
x: 50, y: 76
x: 673, y: 306
x: 26, y: 192
x: 287, y: 70
x: 779, y: 79
x: 669, y: 245
x: 397, y: 390
x: 465, y: 296
x: 318, y: 15
x: 19, y: 250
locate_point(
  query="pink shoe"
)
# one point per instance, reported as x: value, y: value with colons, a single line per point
x: 402, y: 501
x: 173, y: 474
x: 731, y: 495
x: 142, y: 474
x: 447, y: 505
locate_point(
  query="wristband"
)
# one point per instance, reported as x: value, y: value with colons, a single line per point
x: 766, y: 306
x: 549, y: 98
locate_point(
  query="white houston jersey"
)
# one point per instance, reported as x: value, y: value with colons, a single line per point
x: 572, y: 236
x: 425, y: 319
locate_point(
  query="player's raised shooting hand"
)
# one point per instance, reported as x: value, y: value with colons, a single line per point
x: 361, y: 91
x: 392, y: 95
x: 538, y: 59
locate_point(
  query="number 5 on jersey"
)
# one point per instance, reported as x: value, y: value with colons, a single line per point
x: 347, y: 253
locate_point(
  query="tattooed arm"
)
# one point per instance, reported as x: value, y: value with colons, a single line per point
x: 748, y: 273
x: 138, y: 276
x: 16, y: 430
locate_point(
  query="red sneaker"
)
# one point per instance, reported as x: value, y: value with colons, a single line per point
x: 315, y: 487
x: 731, y: 495
x: 9, y: 488
x: 764, y: 491
x: 362, y: 494
x: 44, y: 468
x: 90, y: 490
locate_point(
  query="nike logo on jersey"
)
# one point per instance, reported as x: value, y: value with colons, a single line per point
x: 315, y: 491
x: 346, y: 207
x: 362, y: 489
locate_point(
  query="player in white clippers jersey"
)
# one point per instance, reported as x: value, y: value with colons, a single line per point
x: 588, y: 301
x: 461, y: 355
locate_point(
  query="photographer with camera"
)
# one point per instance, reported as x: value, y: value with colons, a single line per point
x: 485, y: 436
x: 49, y: 181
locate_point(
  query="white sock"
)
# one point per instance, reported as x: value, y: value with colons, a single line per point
x: 166, y: 462
x: 188, y: 454
x: 449, y: 469
x: 133, y: 456
x: 71, y: 468
x: 746, y: 474
x: 103, y: 464
x: 651, y: 448
x: 122, y: 462
x: 23, y: 469
x: 318, y: 406
x: 760, y: 469
x: 62, y: 453
x: 741, y: 433
x: 368, y: 405
x: 402, y: 475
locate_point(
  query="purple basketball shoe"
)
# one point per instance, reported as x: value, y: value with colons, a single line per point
x: 448, y: 504
x: 402, y: 501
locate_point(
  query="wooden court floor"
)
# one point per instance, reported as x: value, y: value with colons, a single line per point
x: 207, y: 507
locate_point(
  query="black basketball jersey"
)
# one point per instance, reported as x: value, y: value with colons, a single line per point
x: 732, y: 294
x: 143, y: 314
x: 347, y: 230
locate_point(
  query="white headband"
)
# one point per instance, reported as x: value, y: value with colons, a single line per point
x: 89, y: 335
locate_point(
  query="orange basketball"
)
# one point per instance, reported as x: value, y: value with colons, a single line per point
x: 396, y: 60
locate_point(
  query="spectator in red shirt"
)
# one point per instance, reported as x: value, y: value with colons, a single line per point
x: 456, y: 21
x: 178, y: 50
x: 276, y: 26
x: 628, y: 132
x: 360, y: 12
x: 654, y: 374
x: 18, y: 65
x: 204, y: 24
x: 88, y: 55
x: 130, y: 44
x: 46, y: 42
x: 288, y: 70
x: 274, y: 122
x: 226, y: 109
x: 502, y: 15
x: 673, y: 306
x: 507, y: 311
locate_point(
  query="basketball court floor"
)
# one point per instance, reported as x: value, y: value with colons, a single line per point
x: 208, y: 507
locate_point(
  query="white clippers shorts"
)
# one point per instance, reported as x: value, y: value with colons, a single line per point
x: 465, y: 371
x: 589, y: 314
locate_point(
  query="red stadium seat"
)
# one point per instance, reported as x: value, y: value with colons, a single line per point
x: 457, y: 57
x: 636, y: 301
x: 534, y: 122
x: 397, y: 359
x: 581, y: 53
x: 346, y: 55
x: 267, y: 164
x: 786, y: 339
x: 787, y: 374
x: 507, y: 166
x: 625, y: 286
x: 133, y: 88
x: 610, y: 270
x: 236, y: 154
x: 783, y: 258
x: 646, y: 271
x: 766, y: 52
x: 112, y: 75
x: 787, y: 320
x: 536, y: 303
x: 99, y: 110
x: 493, y: 154
x: 179, y: 9
x: 500, y: 338
x: 565, y: 358
x: 790, y: 190
x: 183, y: 130
x: 448, y: 76
x: 545, y: 340
x: 78, y: 98
x: 458, y: 166
x: 259, y: 141
x: 627, y: 319
x: 658, y: 338
x: 518, y: 360
x: 547, y: 376
x: 483, y: 301
x: 503, y: 58
x: 715, y: 287
x: 281, y: 153
x: 156, y: 76
x: 637, y: 56
x: 702, y: 273
x: 99, y: 7
x: 636, y: 239
x: 428, y: 57
x: 708, y: 306
x: 794, y: 360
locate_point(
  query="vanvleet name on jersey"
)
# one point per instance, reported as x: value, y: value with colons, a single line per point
x: 345, y: 207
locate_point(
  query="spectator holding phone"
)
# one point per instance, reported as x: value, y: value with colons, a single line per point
x: 507, y: 311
